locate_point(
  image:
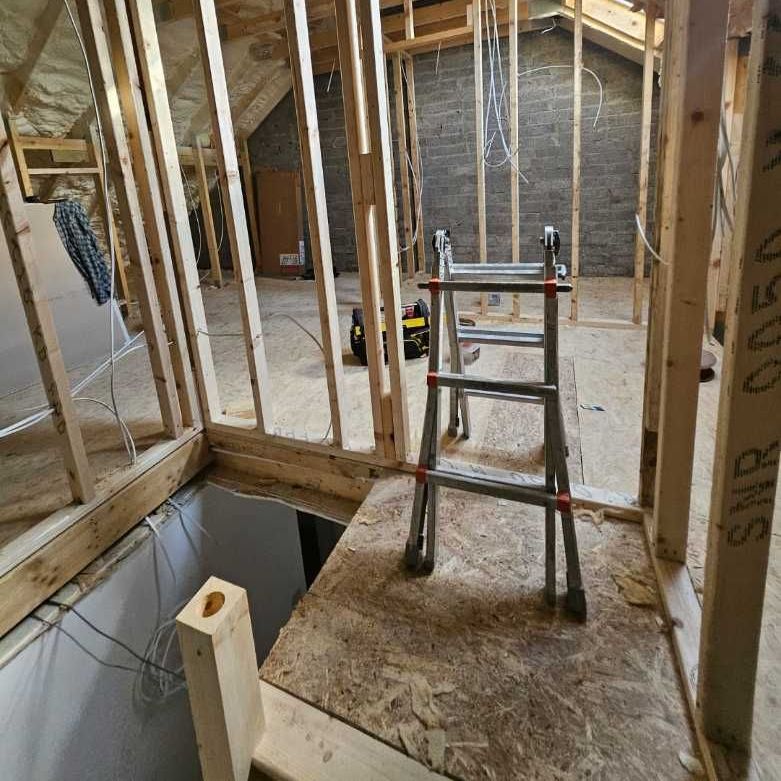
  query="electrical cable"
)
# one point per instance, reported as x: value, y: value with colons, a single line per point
x: 129, y: 444
x: 116, y: 641
x: 645, y: 240
x: 82, y: 647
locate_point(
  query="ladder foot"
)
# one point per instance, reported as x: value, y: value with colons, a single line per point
x: 427, y: 567
x: 413, y: 556
x: 452, y: 431
x: 576, y: 602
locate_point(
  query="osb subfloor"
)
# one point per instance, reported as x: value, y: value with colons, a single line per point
x: 467, y: 670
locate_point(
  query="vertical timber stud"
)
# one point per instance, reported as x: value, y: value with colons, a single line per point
x: 645, y: 155
x: 657, y: 295
x: 233, y: 204
x: 145, y: 169
x: 206, y: 213
x: 401, y: 133
x: 686, y: 247
x: 577, y: 116
x: 351, y: 74
x: 316, y: 209
x: 148, y: 48
x: 385, y: 217
x: 477, y: 35
x: 218, y: 651
x: 749, y: 423
x: 515, y: 235
x: 408, y: 72
x: 99, y: 58
x: 249, y: 193
x: 41, y: 326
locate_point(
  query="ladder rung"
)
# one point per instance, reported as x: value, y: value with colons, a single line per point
x: 507, y: 338
x: 486, y: 394
x: 470, y: 382
x: 494, y: 482
x: 521, y: 286
x: 510, y: 270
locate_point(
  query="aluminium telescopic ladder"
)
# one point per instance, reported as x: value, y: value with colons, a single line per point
x: 551, y: 492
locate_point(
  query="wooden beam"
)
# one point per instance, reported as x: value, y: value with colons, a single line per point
x: 17, y: 152
x: 646, y: 115
x: 151, y: 202
x: 515, y: 216
x: 408, y: 71
x: 663, y: 214
x: 735, y: 131
x: 74, y: 170
x: 354, y: 99
x: 292, y: 730
x: 427, y: 42
x: 385, y: 217
x: 99, y: 58
x: 80, y: 534
x: 233, y: 205
x: 482, y: 237
x: 701, y: 26
x: 317, y: 214
x: 749, y: 424
x: 577, y: 122
x: 207, y: 218
x: 150, y: 60
x: 218, y: 652
x: 248, y: 182
x: 40, y: 324
x: 45, y: 23
x: 401, y: 135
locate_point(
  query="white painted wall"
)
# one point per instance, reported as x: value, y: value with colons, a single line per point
x: 64, y: 717
x: 82, y: 325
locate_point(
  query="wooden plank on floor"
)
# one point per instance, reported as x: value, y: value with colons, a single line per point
x: 301, y: 741
x: 150, y: 59
x: 119, y: 505
x: 317, y: 214
x: 233, y: 204
x: 40, y: 324
x: 99, y: 57
x: 749, y: 423
x: 702, y: 26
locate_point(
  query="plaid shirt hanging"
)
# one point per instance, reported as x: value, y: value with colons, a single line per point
x: 82, y: 246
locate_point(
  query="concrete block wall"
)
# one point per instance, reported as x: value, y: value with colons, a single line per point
x: 445, y: 102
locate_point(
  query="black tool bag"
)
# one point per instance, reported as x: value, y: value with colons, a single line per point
x: 415, y: 326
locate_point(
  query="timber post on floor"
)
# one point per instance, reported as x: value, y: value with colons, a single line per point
x: 148, y: 50
x: 317, y: 213
x: 218, y: 651
x: 749, y: 423
x: 40, y: 323
x: 233, y: 204
x: 98, y: 56
x: 701, y: 26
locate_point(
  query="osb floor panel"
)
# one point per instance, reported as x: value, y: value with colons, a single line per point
x: 468, y: 661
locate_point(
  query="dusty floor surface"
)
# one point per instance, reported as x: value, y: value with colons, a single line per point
x: 467, y: 670
x: 605, y: 367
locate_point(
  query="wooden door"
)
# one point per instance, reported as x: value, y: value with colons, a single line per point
x: 281, y: 222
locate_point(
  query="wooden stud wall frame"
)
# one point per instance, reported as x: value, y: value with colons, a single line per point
x: 146, y: 159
